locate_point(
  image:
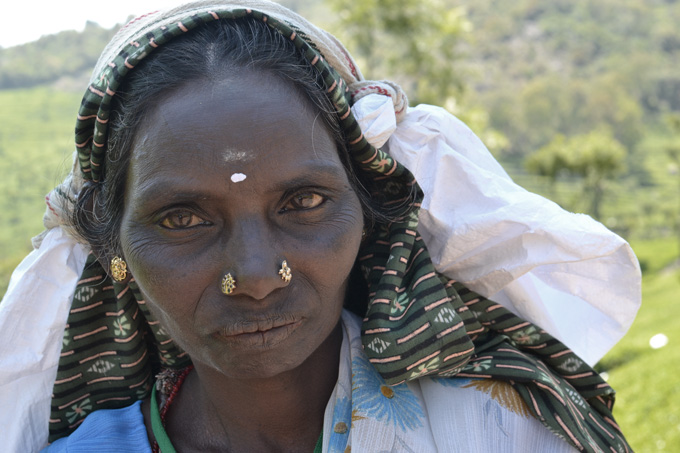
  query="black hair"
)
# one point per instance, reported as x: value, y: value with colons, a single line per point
x: 209, y: 52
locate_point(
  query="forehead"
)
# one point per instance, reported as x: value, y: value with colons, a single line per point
x: 248, y: 121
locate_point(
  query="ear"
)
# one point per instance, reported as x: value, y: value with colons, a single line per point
x: 90, y: 221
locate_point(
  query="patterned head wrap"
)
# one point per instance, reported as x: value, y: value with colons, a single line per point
x: 418, y: 322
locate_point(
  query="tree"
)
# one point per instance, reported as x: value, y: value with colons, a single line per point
x: 550, y: 161
x: 594, y: 157
x: 415, y: 42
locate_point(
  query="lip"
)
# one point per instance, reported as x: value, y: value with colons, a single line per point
x: 261, y: 333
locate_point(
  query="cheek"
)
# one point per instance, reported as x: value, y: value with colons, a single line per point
x: 330, y: 252
x: 172, y: 282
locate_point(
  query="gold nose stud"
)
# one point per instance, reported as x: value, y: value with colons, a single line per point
x: 228, y: 284
x: 284, y: 272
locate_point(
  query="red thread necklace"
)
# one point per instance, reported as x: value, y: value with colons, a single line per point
x: 169, y: 382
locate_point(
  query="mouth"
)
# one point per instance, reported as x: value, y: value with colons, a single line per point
x: 261, y: 333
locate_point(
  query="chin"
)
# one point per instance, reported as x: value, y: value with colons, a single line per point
x: 263, y: 367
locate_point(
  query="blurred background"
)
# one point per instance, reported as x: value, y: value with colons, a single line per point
x: 578, y: 99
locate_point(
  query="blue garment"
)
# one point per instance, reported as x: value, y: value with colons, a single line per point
x: 112, y: 430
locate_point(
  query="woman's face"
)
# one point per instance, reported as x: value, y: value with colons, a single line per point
x: 235, y: 177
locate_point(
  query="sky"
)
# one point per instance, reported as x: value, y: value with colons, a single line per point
x: 22, y: 23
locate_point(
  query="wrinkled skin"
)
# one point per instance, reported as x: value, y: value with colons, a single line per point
x: 270, y: 345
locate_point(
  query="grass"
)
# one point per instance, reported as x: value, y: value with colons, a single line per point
x: 36, y: 142
x: 647, y: 380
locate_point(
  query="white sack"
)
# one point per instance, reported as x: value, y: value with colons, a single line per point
x: 33, y: 314
x: 563, y: 271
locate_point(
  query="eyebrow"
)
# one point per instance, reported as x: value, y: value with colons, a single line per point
x: 317, y: 174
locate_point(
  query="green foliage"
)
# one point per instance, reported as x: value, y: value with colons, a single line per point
x: 594, y: 157
x: 565, y: 67
x: 568, y: 67
x: 551, y: 160
x: 673, y: 149
x: 68, y: 54
x: 534, y: 112
x: 642, y: 203
x: 36, y: 142
x: 418, y: 44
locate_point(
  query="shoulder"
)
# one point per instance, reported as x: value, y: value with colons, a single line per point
x: 488, y: 415
x: 110, y: 430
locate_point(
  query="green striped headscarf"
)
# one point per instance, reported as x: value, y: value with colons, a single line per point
x: 418, y: 322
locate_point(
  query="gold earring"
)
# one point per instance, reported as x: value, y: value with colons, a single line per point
x: 228, y: 284
x: 284, y: 272
x: 118, y: 269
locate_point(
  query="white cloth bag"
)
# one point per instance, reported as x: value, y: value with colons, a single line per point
x: 562, y: 271
x: 33, y: 315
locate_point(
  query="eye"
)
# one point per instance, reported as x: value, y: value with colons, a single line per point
x: 304, y: 201
x: 181, y: 219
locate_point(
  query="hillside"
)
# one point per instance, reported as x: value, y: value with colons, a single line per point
x: 64, y: 59
x: 563, y: 66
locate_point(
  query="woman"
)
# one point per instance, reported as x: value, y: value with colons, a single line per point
x: 242, y: 215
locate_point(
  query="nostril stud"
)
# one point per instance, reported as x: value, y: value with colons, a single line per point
x: 284, y: 272
x: 228, y: 284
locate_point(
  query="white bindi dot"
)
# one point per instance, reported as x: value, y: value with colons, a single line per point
x: 238, y: 177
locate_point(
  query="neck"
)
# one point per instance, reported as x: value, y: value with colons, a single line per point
x: 280, y: 413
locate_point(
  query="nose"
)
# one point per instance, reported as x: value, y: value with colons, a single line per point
x: 252, y: 257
